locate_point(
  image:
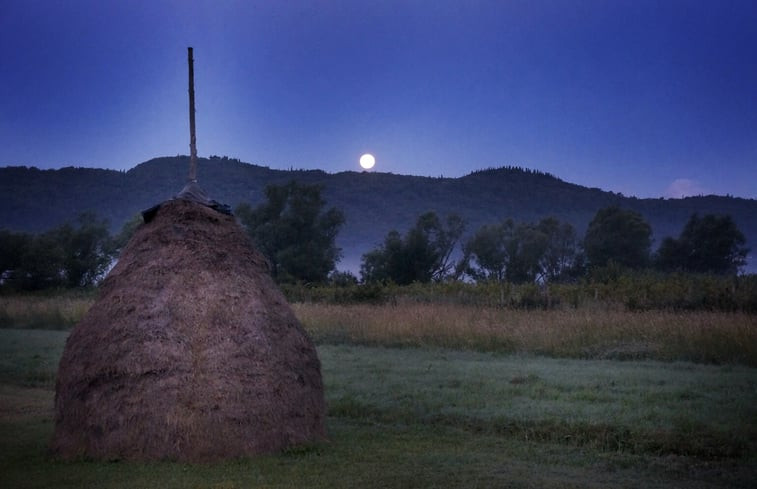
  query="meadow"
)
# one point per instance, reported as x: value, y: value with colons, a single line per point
x: 449, y: 395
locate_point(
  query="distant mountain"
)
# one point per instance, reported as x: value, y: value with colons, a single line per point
x: 374, y: 203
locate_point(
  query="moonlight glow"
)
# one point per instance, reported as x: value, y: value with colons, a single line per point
x: 367, y: 161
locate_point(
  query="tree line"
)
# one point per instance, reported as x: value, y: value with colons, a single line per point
x: 75, y: 254
x: 297, y: 233
x: 550, y: 251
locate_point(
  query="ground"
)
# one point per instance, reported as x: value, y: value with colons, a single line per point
x: 428, y: 417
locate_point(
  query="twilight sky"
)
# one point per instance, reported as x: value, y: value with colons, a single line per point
x: 648, y: 98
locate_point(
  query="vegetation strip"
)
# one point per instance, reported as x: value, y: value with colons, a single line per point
x: 695, y: 442
x: 592, y: 331
x: 703, y: 337
x: 430, y: 417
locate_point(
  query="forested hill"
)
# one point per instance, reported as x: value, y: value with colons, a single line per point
x: 373, y: 203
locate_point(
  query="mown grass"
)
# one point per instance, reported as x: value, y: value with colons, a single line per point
x: 638, y: 407
x: 430, y: 417
x: 369, y: 456
x: 30, y: 357
x: 591, y: 333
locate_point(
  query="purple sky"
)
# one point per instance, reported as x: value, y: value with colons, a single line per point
x: 647, y: 98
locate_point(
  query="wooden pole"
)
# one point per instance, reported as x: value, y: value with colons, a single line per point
x: 192, y: 136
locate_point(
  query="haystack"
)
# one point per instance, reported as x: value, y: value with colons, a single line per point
x: 190, y: 352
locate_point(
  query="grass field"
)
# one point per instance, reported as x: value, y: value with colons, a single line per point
x: 408, y: 416
x: 585, y: 333
x: 593, y: 331
x: 44, y: 311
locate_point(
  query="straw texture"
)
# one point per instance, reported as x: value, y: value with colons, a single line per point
x: 190, y: 353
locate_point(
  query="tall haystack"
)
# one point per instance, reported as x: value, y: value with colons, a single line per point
x: 190, y: 352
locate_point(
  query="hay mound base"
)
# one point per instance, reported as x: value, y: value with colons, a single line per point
x: 190, y: 353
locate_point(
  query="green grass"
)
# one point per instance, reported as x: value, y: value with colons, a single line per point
x: 374, y: 456
x: 639, y: 407
x: 419, y: 417
x: 30, y: 357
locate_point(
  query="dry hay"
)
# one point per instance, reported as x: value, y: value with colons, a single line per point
x: 190, y: 352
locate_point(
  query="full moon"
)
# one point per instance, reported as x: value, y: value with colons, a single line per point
x: 367, y: 161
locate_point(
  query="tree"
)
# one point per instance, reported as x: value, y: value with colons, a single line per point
x: 423, y: 255
x: 521, y: 253
x: 71, y: 255
x: 342, y: 278
x: 25, y: 262
x: 708, y: 244
x: 442, y: 238
x: 294, y: 233
x: 87, y: 250
x: 12, y: 246
x: 386, y: 262
x: 671, y: 256
x: 127, y: 231
x: 526, y: 249
x: 487, y: 252
x: 41, y: 265
x: 618, y: 236
x: 560, y: 259
x: 31, y: 262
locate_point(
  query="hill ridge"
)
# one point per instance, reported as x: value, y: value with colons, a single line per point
x: 35, y: 200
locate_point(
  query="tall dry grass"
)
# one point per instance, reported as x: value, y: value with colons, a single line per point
x: 590, y: 331
x: 578, y: 333
x: 60, y: 311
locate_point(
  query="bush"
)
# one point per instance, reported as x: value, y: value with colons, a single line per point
x: 636, y: 291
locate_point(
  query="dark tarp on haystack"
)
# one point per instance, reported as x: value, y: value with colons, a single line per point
x: 192, y: 193
x: 190, y: 352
